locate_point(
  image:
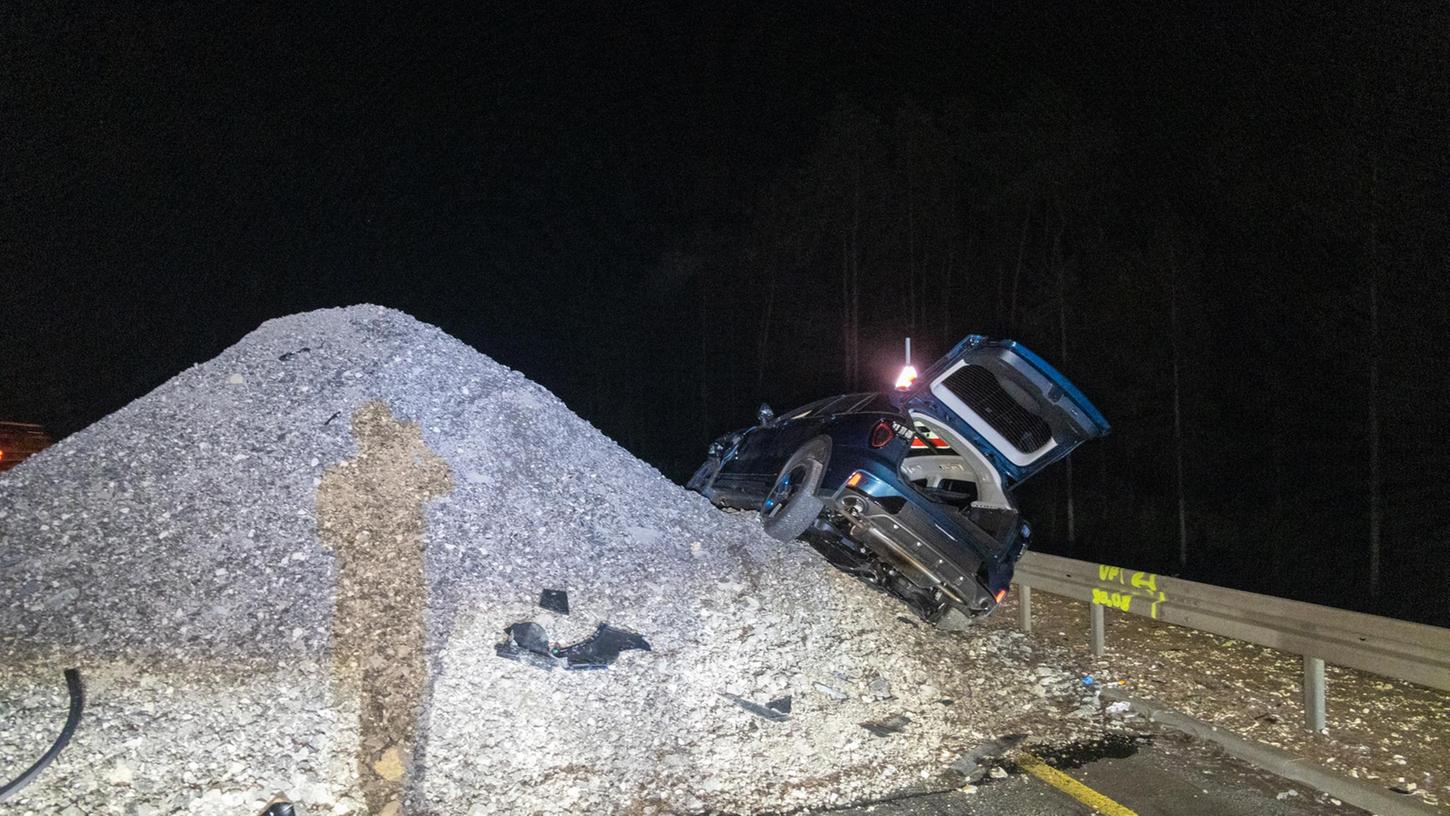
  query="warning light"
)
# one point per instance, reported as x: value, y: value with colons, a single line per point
x: 908, y: 371
x: 1001, y: 593
x: 854, y: 479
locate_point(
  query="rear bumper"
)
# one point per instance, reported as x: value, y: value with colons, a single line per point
x: 908, y: 538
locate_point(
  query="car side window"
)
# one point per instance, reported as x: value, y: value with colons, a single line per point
x: 841, y: 404
x: 874, y: 403
x: 810, y: 408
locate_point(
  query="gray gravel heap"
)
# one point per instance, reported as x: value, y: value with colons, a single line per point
x: 171, y: 551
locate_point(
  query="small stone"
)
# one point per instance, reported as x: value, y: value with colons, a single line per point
x: 235, y: 379
x: 120, y: 774
x: 997, y: 772
x: 390, y: 765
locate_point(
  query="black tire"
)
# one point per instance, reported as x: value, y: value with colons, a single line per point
x: 791, y: 507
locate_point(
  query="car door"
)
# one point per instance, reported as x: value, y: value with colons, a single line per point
x: 1014, y: 407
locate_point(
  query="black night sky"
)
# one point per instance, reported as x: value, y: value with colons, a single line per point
x: 668, y: 214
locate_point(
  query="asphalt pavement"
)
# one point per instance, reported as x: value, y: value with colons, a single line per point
x: 1166, y: 774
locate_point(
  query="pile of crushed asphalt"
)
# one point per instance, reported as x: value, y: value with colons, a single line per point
x: 297, y: 568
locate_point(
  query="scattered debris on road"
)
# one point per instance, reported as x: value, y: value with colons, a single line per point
x: 969, y: 763
x: 602, y: 648
x: 765, y: 712
x: 554, y: 600
x: 781, y: 704
x: 891, y: 725
x: 528, y: 643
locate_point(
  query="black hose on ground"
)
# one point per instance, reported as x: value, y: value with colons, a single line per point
x: 73, y: 719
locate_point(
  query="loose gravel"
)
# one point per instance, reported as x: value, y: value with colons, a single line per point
x: 287, y: 570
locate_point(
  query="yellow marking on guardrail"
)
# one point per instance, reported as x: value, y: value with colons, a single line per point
x: 1144, y: 586
x: 1072, y: 787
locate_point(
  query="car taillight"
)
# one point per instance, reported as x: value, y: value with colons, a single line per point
x: 881, y: 434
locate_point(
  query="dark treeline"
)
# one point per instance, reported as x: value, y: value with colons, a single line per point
x: 1227, y: 222
x: 1251, y: 285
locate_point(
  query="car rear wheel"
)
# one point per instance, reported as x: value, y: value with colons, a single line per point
x: 791, y: 507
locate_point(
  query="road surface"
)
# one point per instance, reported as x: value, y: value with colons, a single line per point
x: 1162, y: 774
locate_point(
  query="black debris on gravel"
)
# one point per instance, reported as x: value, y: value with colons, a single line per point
x: 528, y: 643
x: 755, y: 708
x: 600, y: 649
x: 887, y: 727
x: 781, y: 704
x: 554, y: 600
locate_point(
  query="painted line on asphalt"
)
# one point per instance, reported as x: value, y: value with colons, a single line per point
x: 1071, y: 787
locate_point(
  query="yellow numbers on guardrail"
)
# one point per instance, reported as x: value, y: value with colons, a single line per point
x: 1140, y: 586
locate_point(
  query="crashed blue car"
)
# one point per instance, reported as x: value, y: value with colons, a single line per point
x: 912, y: 490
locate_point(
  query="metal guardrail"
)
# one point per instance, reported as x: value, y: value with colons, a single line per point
x: 1321, y: 634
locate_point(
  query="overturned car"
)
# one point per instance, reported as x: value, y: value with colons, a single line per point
x: 912, y: 490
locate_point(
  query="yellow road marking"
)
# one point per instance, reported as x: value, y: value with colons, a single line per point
x: 1071, y: 787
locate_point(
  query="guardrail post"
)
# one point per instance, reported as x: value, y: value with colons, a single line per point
x: 1099, y: 629
x: 1313, y: 693
x: 1024, y: 609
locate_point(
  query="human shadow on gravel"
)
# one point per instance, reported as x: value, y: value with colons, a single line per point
x: 370, y: 512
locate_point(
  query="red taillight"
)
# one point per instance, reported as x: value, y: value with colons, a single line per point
x: 881, y: 434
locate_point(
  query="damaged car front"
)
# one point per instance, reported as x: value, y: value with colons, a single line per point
x: 912, y: 490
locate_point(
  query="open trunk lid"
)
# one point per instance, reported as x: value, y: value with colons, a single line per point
x: 1018, y: 410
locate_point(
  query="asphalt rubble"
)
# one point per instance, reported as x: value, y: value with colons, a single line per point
x: 291, y: 570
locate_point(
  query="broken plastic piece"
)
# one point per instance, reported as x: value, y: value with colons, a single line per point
x: 280, y: 806
x: 529, y: 636
x: 781, y: 704
x: 528, y: 644
x: 555, y: 600
x: 887, y: 727
x: 600, y: 649
x: 755, y: 708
